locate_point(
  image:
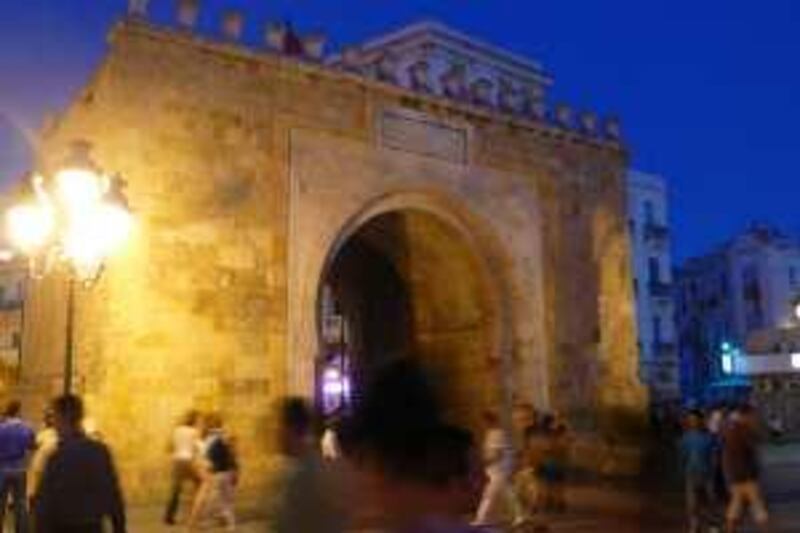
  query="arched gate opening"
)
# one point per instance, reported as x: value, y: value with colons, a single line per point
x: 407, y: 283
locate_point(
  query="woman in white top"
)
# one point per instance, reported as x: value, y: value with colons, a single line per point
x: 184, y: 450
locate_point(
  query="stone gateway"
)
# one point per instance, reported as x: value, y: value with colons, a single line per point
x: 300, y: 219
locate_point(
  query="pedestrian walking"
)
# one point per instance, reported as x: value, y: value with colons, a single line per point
x: 697, y: 461
x: 219, y: 474
x: 329, y: 443
x: 741, y: 463
x: 419, y: 472
x: 310, y: 493
x: 717, y: 423
x: 46, y: 443
x: 17, y: 440
x: 497, y: 503
x: 528, y: 485
x: 79, y: 490
x: 184, y: 448
x: 552, y: 472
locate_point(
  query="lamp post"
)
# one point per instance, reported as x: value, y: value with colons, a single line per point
x: 74, y: 222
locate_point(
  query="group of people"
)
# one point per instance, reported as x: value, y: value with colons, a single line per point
x: 526, y: 474
x: 395, y: 462
x: 719, y: 455
x: 204, y: 456
x: 61, y: 480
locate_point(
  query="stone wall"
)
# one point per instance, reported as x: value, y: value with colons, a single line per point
x: 198, y: 309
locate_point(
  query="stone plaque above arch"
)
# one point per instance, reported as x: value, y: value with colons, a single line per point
x: 422, y: 134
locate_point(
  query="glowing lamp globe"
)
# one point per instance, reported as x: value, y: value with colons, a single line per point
x: 30, y: 226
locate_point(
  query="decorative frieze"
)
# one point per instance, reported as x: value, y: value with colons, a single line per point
x: 232, y: 25
x: 588, y: 122
x: 613, y: 129
x: 387, y: 68
x: 274, y: 35
x: 138, y: 8
x: 188, y: 12
x: 481, y: 92
x: 564, y: 116
x: 508, y: 97
x: 516, y: 92
x: 314, y: 45
x: 351, y: 58
x: 419, y: 77
x: 453, y: 82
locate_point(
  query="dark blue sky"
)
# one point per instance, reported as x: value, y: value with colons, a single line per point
x: 708, y: 90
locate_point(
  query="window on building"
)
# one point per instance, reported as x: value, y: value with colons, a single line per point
x: 649, y: 212
x: 654, y: 270
x: 656, y: 329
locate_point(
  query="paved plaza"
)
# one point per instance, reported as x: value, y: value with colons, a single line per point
x: 604, y: 508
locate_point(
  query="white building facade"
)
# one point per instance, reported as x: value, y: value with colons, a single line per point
x: 648, y: 214
x: 748, y: 286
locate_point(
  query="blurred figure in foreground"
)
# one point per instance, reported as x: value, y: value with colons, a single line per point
x: 17, y: 440
x: 309, y: 498
x: 421, y: 474
x: 741, y: 463
x: 79, y: 488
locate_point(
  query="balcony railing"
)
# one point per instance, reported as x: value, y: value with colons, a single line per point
x: 664, y: 349
x: 656, y: 233
x: 660, y: 289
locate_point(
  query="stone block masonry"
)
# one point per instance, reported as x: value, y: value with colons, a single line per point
x: 245, y: 169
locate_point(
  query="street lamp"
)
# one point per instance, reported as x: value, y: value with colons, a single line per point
x: 74, y: 221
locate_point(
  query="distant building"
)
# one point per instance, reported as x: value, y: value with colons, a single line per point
x: 12, y: 294
x: 745, y: 287
x: 648, y: 210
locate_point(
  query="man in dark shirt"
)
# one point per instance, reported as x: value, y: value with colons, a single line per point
x: 740, y: 460
x: 17, y: 439
x: 79, y: 487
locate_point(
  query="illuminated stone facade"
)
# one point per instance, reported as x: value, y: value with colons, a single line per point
x: 248, y: 170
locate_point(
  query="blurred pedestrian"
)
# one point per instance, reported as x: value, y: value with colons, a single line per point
x: 554, y: 463
x: 717, y: 423
x: 79, y: 488
x: 741, y: 463
x: 329, y: 443
x: 216, y: 496
x: 497, y: 502
x: 17, y: 440
x: 310, y: 496
x: 184, y: 448
x: 46, y: 443
x: 697, y: 461
x: 420, y: 473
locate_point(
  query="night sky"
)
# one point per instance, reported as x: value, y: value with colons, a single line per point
x: 708, y: 90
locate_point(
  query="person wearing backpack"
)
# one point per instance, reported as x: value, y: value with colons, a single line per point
x: 217, y: 494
